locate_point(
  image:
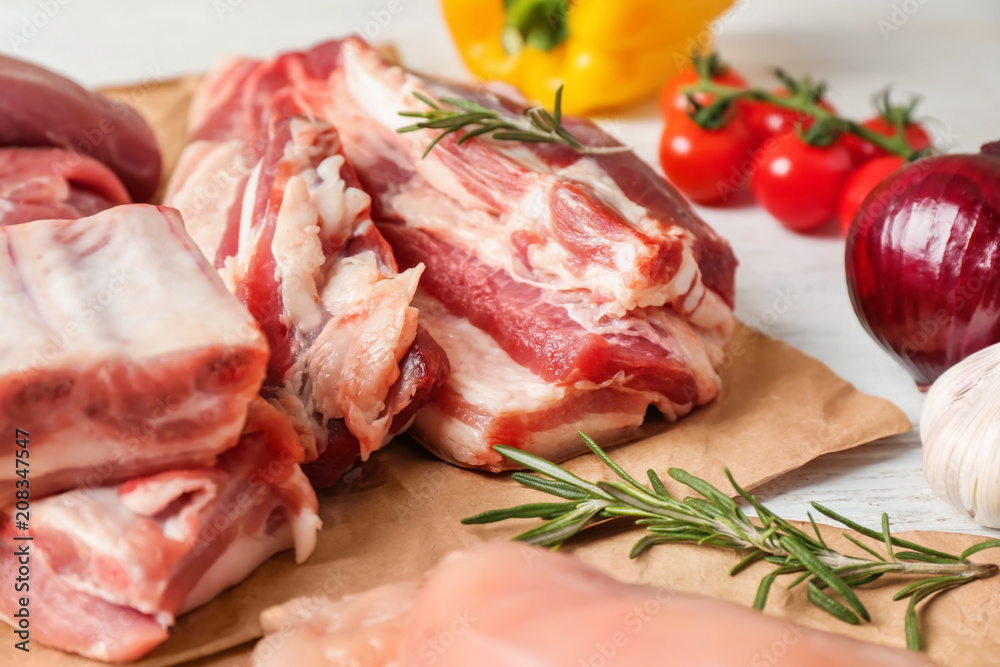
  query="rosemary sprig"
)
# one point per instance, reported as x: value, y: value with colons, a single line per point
x: 715, y: 519
x: 535, y: 125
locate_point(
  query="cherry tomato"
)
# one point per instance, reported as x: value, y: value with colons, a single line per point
x: 672, y: 100
x: 862, y: 151
x: 860, y: 184
x: 799, y: 184
x: 705, y: 165
x: 766, y: 120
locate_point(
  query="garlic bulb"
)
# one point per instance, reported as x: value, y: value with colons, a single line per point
x: 960, y: 429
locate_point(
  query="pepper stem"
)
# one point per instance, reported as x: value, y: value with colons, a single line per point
x: 541, y: 24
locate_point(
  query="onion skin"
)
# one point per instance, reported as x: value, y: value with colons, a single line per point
x: 923, y: 261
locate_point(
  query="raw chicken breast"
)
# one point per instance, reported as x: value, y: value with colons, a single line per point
x: 511, y: 605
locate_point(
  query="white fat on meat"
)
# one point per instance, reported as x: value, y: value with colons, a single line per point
x: 355, y: 359
x: 508, y: 392
x: 316, y: 204
x: 377, y: 89
x: 123, y: 352
x: 205, y: 185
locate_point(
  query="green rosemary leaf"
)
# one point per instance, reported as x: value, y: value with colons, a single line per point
x: 868, y: 532
x: 819, y: 536
x: 976, y: 548
x: 485, y: 129
x: 746, y: 562
x: 703, y: 507
x: 550, y: 486
x: 819, y: 598
x: 701, y: 486
x: 918, y: 557
x: 601, y: 454
x: 863, y: 546
x: 437, y: 139
x: 854, y: 582
x: 545, y: 467
x: 557, y: 107
x: 887, y: 536
x: 555, y: 531
x: 456, y: 122
x: 778, y: 560
x: 426, y: 100
x: 929, y: 586
x: 521, y: 135
x: 640, y: 499
x: 799, y: 579
x: 647, y: 542
x: 468, y: 105
x: 911, y: 627
x: 531, y: 511
x: 911, y: 624
x: 760, y: 601
x: 825, y: 574
x: 657, y: 484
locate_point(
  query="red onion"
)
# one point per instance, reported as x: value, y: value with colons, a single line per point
x: 923, y: 261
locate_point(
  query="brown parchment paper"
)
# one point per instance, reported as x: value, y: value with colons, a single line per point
x: 395, y: 516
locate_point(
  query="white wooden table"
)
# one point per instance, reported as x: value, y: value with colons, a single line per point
x: 947, y: 51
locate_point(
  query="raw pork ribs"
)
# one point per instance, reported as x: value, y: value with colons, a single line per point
x: 121, y: 352
x: 569, y: 291
x: 114, y: 566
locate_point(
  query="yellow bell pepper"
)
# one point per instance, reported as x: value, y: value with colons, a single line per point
x: 607, y: 53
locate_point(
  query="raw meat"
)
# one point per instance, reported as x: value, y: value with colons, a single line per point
x: 293, y: 239
x: 50, y: 183
x: 40, y: 108
x: 510, y: 605
x: 111, y: 567
x: 588, y: 272
x: 121, y: 354
x: 509, y: 404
